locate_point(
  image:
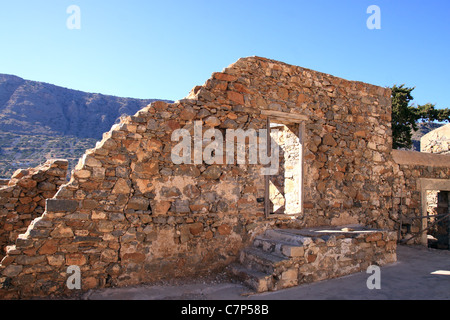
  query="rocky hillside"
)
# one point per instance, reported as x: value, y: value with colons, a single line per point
x: 40, y: 121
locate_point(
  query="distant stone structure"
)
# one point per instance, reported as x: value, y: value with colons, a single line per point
x: 438, y: 201
x: 436, y: 141
x: 130, y: 215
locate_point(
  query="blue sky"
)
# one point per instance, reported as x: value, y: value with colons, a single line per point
x: 162, y: 49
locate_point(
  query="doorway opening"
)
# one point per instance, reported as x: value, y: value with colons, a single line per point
x: 284, y: 189
x: 438, y: 208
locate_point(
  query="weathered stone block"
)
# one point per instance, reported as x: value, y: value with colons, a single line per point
x: 224, y: 76
x: 138, y: 203
x: 212, y: 121
x: 212, y: 173
x: 188, y: 113
x: 29, y: 260
x: 224, y: 229
x: 22, y: 242
x: 136, y: 257
x: 172, y: 192
x: 92, y: 162
x: 62, y: 231
x: 75, y: 259
x: 191, y: 191
x: 36, y: 233
x: 98, y: 215
x: 292, y: 251
x: 186, y: 170
x: 121, y: 187
x: 161, y: 207
x: 373, y: 237
x: 181, y: 206
x: 27, y: 183
x: 58, y: 205
x: 49, y: 247
x: 196, y: 228
x: 12, y: 270
x: 56, y: 260
x: 109, y: 255
x: 290, y: 274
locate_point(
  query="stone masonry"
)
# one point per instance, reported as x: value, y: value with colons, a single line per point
x: 416, y: 175
x: 282, y: 258
x: 22, y: 199
x: 130, y: 215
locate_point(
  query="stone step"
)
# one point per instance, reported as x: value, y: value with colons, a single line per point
x: 286, y: 236
x: 278, y: 247
x: 282, y: 258
x: 259, y: 260
x: 255, y: 280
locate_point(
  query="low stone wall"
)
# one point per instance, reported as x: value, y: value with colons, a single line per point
x: 283, y: 258
x: 23, y: 198
x: 335, y: 255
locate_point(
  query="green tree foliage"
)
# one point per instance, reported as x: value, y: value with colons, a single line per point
x: 405, y: 117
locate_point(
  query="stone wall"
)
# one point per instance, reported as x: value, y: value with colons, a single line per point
x: 4, y: 182
x: 416, y: 173
x: 130, y: 215
x: 282, y: 258
x: 335, y: 255
x: 22, y: 199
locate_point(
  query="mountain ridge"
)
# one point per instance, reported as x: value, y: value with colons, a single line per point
x: 40, y: 120
x: 32, y: 107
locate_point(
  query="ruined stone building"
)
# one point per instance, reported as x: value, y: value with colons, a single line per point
x: 131, y: 215
x: 437, y: 141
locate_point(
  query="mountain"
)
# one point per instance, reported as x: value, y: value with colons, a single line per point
x: 33, y: 107
x: 40, y: 121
